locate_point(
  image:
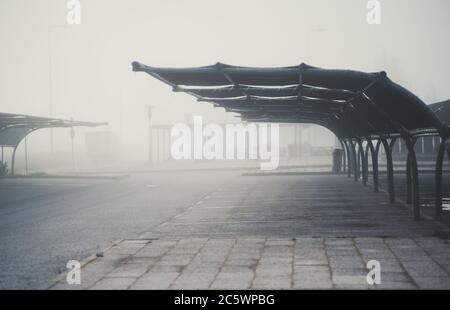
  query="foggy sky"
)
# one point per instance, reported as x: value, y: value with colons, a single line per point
x: 89, y: 64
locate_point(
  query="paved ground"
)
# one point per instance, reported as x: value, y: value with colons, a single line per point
x: 427, y: 193
x: 46, y: 222
x: 279, y: 232
x: 268, y: 263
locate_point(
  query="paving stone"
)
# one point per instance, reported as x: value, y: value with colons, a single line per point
x: 400, y: 242
x: 184, y: 250
x: 113, y: 284
x: 431, y: 242
x: 353, y: 286
x: 299, y: 270
x: 347, y: 262
x: 129, y: 271
x: 309, y: 242
x: 304, y: 251
x: 264, y: 271
x: 279, y: 242
x: 342, y: 253
x: 229, y: 284
x: 244, y: 256
x: 368, y: 241
x: 446, y: 267
x: 412, y: 255
x: 248, y: 247
x: 318, y: 284
x: 174, y: 259
x: 140, y: 260
x: 424, y: 269
x: 241, y: 262
x: 64, y: 286
x: 318, y: 280
x: 233, y: 278
x: 273, y: 282
x: 433, y: 282
x: 276, y: 261
x: 201, y: 266
x: 167, y: 268
x: 339, y: 241
x: 349, y: 271
x: 155, y: 280
x: 377, y: 254
x: 153, y: 250
x: 394, y: 277
x: 194, y: 280
x: 302, y: 262
x: 282, y: 255
x: 197, y: 241
x: 441, y: 259
x: 211, y: 257
x: 207, y: 269
x: 97, y: 269
x: 136, y: 241
x: 126, y: 248
x: 390, y: 285
x: 351, y: 281
x: 251, y: 241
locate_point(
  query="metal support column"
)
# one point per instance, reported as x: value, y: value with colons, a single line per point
x: 408, y: 180
x: 355, y: 162
x: 414, y: 175
x: 344, y: 155
x: 374, y: 151
x: 390, y: 169
x: 13, y: 159
x: 349, y: 156
x: 363, y: 162
x: 438, y: 179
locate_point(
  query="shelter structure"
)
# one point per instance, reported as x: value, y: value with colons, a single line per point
x: 16, y: 127
x: 364, y: 110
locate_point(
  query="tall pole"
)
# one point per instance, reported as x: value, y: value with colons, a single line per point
x: 26, y: 156
x: 50, y: 84
x: 51, y: 29
x: 72, y: 138
x: 150, y: 135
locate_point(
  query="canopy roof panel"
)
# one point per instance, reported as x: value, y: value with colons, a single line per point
x: 14, y: 127
x: 350, y: 103
x: 442, y: 110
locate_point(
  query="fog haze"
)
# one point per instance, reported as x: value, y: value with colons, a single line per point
x: 49, y: 68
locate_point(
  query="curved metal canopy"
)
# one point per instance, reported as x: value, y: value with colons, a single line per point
x: 15, y: 127
x: 352, y: 104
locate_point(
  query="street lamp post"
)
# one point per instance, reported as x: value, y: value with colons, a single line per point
x: 72, y: 138
x: 150, y: 135
x: 51, y: 29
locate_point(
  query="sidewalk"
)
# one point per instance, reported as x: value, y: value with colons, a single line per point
x: 281, y: 232
x: 260, y: 263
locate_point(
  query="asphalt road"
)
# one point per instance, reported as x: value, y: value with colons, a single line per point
x: 46, y: 222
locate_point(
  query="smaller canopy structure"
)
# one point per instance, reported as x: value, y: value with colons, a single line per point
x: 15, y: 127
